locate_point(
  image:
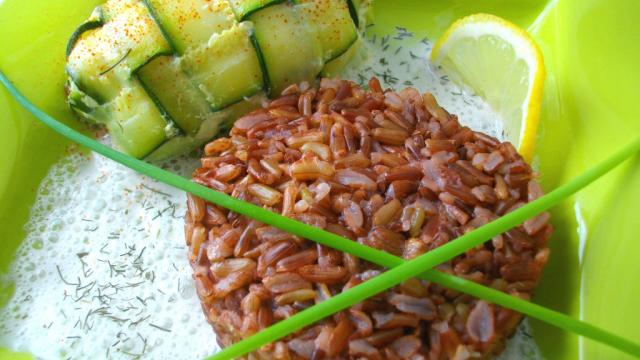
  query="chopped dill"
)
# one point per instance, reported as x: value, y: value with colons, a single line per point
x: 130, y: 250
x: 86, y: 271
x: 63, y: 279
x: 402, y: 33
x: 102, y: 249
x: 159, y: 327
x: 362, y: 80
x: 385, y: 40
x: 155, y: 190
x: 137, y: 259
x: 89, y: 286
x: 388, y: 78
x: 136, y: 284
x: 158, y: 214
x: 127, y: 308
x: 142, y: 301
x: 139, y: 321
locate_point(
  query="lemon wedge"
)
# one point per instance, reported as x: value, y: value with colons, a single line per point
x: 502, y: 64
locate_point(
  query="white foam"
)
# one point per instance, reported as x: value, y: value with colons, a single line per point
x: 116, y: 239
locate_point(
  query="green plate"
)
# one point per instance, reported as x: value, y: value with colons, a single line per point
x: 590, y: 109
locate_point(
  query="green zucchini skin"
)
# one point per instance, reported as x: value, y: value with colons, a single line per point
x: 156, y: 18
x: 83, y: 105
x: 209, y: 128
x: 291, y: 49
x: 103, y: 63
x: 353, y: 11
x: 188, y: 24
x: 335, y: 67
x: 227, y: 68
x: 172, y: 128
x: 104, y: 59
x: 136, y: 124
x: 263, y: 66
x: 178, y: 80
x: 182, y: 100
x: 95, y: 21
x: 244, y: 8
x: 336, y: 29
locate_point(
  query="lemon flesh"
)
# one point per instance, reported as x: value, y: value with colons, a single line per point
x: 503, y: 65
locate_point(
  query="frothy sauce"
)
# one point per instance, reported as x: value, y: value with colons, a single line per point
x: 103, y: 273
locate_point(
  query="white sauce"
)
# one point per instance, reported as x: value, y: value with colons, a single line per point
x: 135, y: 276
x: 120, y: 236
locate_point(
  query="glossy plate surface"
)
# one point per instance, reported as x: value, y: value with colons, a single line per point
x: 590, y: 108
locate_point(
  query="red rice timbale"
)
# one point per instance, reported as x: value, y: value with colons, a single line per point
x: 390, y: 170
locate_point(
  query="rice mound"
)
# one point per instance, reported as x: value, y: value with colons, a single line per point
x: 390, y: 170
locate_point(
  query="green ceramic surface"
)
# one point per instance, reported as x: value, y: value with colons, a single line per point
x: 592, y: 54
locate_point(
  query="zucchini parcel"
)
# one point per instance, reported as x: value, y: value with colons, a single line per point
x: 165, y: 76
